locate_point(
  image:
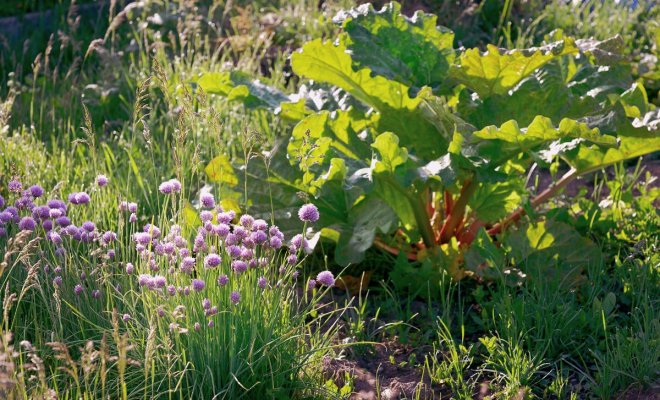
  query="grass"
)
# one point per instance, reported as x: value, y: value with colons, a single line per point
x: 74, y: 108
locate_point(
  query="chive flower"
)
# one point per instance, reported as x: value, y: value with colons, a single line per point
x: 326, y: 278
x: 223, y: 280
x: 101, y: 180
x: 262, y: 282
x: 207, y: 200
x: 78, y: 289
x: 15, y: 186
x: 36, y: 191
x: 198, y: 285
x: 212, y: 260
x: 27, y: 224
x: 308, y: 213
x: 235, y: 297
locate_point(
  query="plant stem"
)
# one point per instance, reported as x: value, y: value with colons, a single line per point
x: 548, y: 193
x: 458, y: 210
x: 393, y: 250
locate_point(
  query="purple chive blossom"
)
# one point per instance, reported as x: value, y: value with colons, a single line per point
x: 211, y: 311
x: 239, y: 266
x: 308, y: 213
x: 81, y: 198
x: 3, y: 231
x: 6, y: 217
x: 212, y: 261
x: 171, y: 290
x: 197, y: 327
x: 152, y: 230
x: 101, y: 180
x: 231, y: 239
x: 206, y: 216
x: 159, y: 281
x: 27, y: 224
x: 96, y: 294
x: 54, y: 213
x: 57, y: 270
x: 88, y: 226
x: 48, y: 225
x: 41, y: 212
x: 326, y: 278
x: 246, y: 221
x: 311, y: 284
x: 171, y: 186
x: 259, y: 237
x: 160, y: 311
x: 206, y: 304
x: 142, y: 238
x: 111, y: 253
x: 247, y: 254
x: 168, y: 248
x: 129, y: 268
x: 235, y: 297
x: 222, y: 230
x: 292, y: 259
x: 63, y: 221
x: 36, y: 191
x: 165, y: 187
x: 187, y: 265
x: 198, y: 285
x: 57, y: 281
x: 295, y: 275
x: 223, y: 280
x: 240, y: 232
x: 132, y: 207
x: 211, y: 324
x: 262, y: 282
x: 132, y: 218
x: 207, y: 200
x: 144, y: 280
x: 234, y: 251
x: 126, y: 317
x: 15, y: 186
x: 259, y: 225
x: 54, y: 237
x: 224, y: 218
x: 78, y: 289
x: 56, y: 203
x: 109, y: 237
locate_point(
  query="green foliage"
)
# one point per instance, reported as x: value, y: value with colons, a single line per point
x: 442, y: 137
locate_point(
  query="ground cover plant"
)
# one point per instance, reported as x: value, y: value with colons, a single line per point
x: 302, y: 200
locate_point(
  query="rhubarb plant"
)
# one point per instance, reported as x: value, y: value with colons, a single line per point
x: 430, y: 156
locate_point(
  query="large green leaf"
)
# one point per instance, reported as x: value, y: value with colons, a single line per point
x: 493, y: 201
x: 398, y: 112
x: 497, y: 71
x: 499, y: 144
x: 367, y: 218
x: 544, y: 246
x: 413, y: 51
x: 240, y: 87
x: 636, y: 139
x: 220, y: 170
x: 320, y: 137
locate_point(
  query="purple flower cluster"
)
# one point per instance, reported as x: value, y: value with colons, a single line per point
x: 169, y: 187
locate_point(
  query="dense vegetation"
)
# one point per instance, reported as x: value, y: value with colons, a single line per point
x: 234, y: 201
